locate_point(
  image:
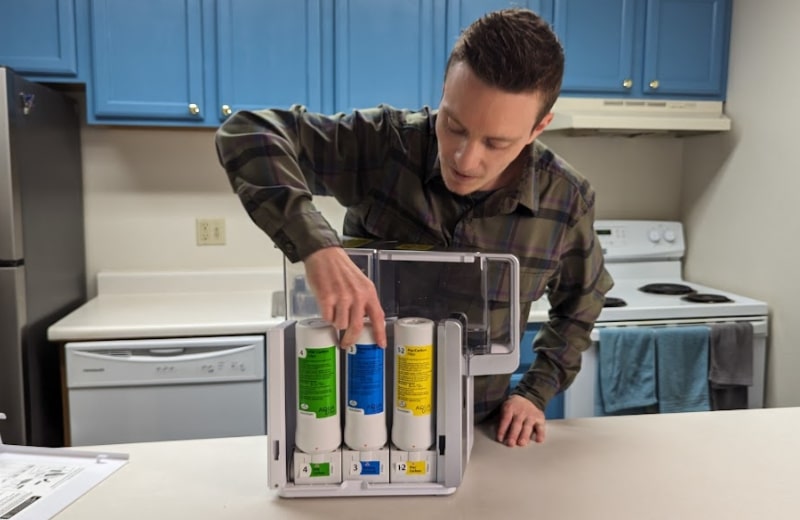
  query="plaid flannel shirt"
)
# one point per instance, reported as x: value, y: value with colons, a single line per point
x: 382, y: 164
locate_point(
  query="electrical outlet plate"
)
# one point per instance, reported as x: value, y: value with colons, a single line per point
x: 210, y: 231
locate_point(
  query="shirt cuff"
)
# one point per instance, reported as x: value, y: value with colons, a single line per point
x: 304, y: 234
x: 536, y: 390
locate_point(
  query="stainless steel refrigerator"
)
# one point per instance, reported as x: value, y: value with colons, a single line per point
x: 42, y: 256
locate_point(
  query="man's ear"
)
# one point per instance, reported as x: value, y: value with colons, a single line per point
x: 540, y: 126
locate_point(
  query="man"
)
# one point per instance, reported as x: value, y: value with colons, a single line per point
x: 468, y: 175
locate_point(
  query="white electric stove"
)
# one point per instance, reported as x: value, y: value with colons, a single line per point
x: 647, y: 255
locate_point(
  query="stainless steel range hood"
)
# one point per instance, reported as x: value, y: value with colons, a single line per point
x: 638, y: 116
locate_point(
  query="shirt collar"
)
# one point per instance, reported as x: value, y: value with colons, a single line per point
x: 526, y: 187
x: 434, y: 171
x: 522, y: 192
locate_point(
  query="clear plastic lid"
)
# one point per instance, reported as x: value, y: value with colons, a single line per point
x: 418, y: 281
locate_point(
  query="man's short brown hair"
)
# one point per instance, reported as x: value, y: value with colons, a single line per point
x: 514, y: 50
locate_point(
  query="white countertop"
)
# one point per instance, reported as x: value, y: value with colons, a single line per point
x: 174, y: 304
x: 702, y: 465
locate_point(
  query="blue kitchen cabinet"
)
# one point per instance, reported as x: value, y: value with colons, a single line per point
x: 38, y: 38
x: 600, y: 48
x: 195, y: 62
x: 461, y: 13
x: 388, y: 52
x: 271, y: 53
x: 403, y: 66
x: 555, y: 408
x: 147, y: 61
x: 686, y: 47
x: 644, y: 48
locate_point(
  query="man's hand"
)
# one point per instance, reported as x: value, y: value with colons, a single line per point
x: 344, y: 295
x: 520, y: 420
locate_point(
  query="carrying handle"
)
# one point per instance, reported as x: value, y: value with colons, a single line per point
x: 502, y: 359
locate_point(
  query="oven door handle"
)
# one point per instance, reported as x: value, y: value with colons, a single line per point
x: 759, y: 325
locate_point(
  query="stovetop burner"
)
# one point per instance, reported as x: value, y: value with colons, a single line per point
x: 666, y: 288
x: 706, y: 298
x: 611, y: 301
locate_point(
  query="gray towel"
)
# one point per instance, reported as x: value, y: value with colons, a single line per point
x: 731, y: 360
x: 730, y: 364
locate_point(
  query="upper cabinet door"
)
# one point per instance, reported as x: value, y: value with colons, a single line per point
x: 686, y: 47
x: 270, y: 54
x: 37, y: 37
x: 147, y: 60
x: 598, y: 39
x: 388, y: 52
x: 461, y: 13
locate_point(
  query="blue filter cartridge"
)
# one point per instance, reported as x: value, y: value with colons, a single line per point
x: 365, y: 416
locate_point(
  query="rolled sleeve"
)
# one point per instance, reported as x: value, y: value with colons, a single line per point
x: 277, y: 160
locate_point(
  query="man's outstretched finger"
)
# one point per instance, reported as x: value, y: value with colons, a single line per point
x: 354, y: 327
x: 502, y: 426
x: 539, y: 432
x: 378, y: 320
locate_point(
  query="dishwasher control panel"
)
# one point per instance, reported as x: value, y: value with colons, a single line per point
x: 164, y: 361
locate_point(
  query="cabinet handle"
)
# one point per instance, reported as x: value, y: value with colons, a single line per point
x: 654, y: 84
x: 226, y: 110
x: 194, y: 109
x: 628, y: 83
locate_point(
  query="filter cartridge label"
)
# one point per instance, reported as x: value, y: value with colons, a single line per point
x: 370, y: 467
x: 318, y: 469
x: 365, y: 378
x: 416, y: 468
x: 316, y: 372
x: 415, y: 379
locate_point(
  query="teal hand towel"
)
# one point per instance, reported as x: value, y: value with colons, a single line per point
x: 627, y: 369
x: 682, y: 362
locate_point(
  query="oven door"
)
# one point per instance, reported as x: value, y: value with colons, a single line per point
x: 579, y: 398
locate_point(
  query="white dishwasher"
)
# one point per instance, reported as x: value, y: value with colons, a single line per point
x: 124, y: 391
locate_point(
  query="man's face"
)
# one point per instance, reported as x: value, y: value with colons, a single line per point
x: 481, y: 130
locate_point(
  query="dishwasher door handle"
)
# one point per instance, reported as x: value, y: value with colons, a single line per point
x: 181, y: 355
x: 167, y: 351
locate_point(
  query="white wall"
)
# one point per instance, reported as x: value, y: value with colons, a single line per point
x: 144, y: 188
x: 742, y: 189
x: 634, y: 177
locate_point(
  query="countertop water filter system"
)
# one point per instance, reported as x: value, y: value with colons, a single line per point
x: 412, y: 424
x: 365, y: 415
x: 318, y: 419
x: 330, y: 432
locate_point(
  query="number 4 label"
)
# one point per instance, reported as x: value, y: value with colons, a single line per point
x: 314, y: 469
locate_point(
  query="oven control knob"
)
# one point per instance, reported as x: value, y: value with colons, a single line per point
x: 654, y: 236
x: 669, y: 236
